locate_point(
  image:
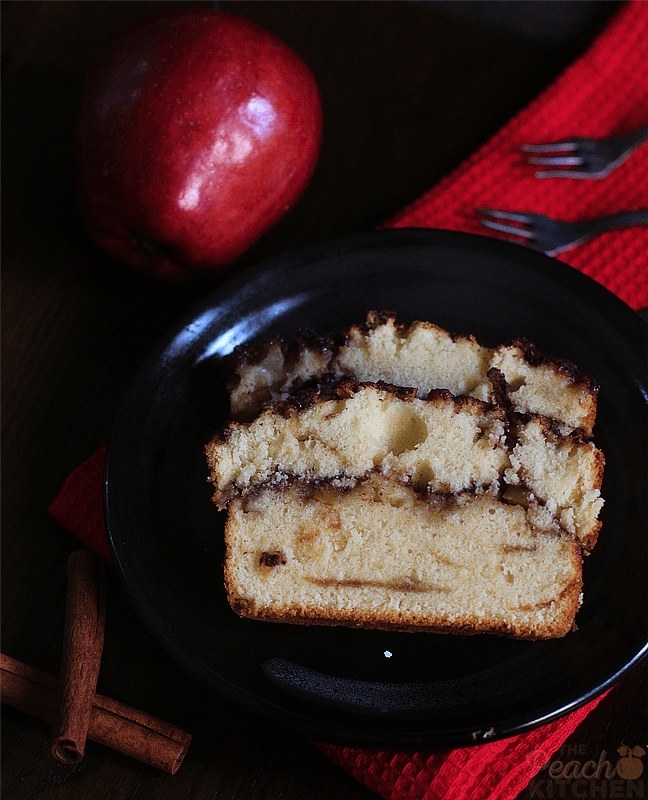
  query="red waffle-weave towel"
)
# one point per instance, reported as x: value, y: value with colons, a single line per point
x: 604, y: 93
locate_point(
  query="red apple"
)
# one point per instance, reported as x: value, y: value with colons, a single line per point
x: 197, y: 132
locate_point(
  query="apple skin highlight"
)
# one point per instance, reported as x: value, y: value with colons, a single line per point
x: 197, y: 131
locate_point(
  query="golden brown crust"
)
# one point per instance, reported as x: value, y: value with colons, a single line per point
x: 469, y: 627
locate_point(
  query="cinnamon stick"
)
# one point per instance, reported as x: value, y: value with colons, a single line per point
x: 113, y: 724
x: 82, y: 647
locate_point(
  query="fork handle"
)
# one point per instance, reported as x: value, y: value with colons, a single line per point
x: 632, y: 140
x: 623, y: 220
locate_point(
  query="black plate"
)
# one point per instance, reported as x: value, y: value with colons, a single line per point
x: 370, y: 688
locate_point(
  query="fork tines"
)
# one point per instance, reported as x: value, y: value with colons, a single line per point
x: 554, y: 154
x: 551, y: 147
x: 509, y: 216
x: 583, y: 157
x: 555, y: 161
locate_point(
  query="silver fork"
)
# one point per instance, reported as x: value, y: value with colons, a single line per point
x: 551, y: 236
x: 583, y: 157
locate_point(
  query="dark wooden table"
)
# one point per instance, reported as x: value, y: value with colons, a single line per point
x: 409, y: 90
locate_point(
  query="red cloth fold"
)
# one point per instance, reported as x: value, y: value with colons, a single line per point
x: 605, y: 92
x: 79, y: 506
